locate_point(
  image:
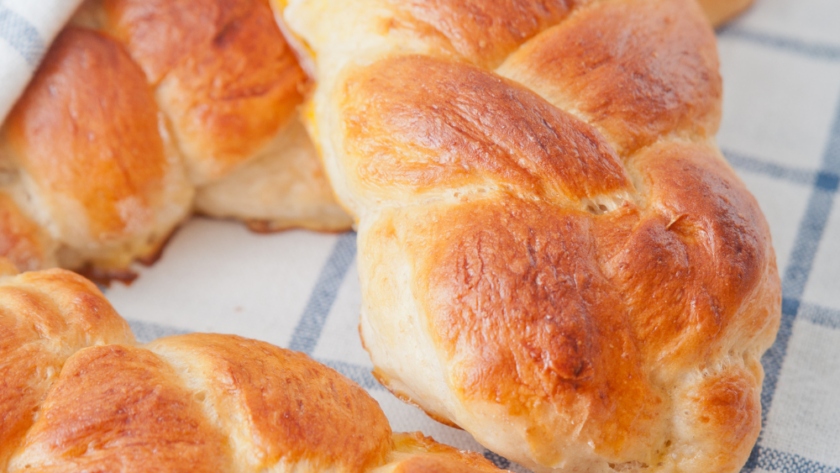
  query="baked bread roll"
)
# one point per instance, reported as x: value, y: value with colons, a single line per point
x: 79, y: 394
x: 145, y: 110
x: 553, y: 253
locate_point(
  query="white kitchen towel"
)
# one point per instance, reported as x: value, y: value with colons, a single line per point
x: 781, y: 132
x: 26, y: 29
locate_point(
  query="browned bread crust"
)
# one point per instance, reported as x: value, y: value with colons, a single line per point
x: 90, y: 150
x: 149, y: 110
x: 553, y: 253
x: 78, y: 393
x: 224, y: 74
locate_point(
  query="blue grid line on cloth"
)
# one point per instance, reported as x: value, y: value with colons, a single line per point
x: 497, y: 459
x: 145, y: 332
x: 822, y: 316
x: 770, y: 459
x: 805, y: 246
x: 808, y: 238
x: 802, y: 48
x: 813, y: 224
x: 21, y: 36
x: 824, y: 180
x: 308, y: 330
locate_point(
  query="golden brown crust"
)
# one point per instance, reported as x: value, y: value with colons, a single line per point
x: 543, y: 310
x: 570, y: 297
x: 62, y: 305
x: 85, y: 141
x: 44, y: 318
x: 228, y: 80
x: 693, y: 260
x: 118, y: 407
x: 462, y: 125
x: 298, y: 410
x: 485, y: 32
x: 160, y: 35
x: 727, y: 411
x: 124, y: 125
x: 527, y: 318
x: 636, y: 70
x: 79, y: 394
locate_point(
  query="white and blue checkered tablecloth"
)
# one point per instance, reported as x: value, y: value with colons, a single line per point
x: 780, y: 130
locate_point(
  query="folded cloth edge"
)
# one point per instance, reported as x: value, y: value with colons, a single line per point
x: 26, y: 30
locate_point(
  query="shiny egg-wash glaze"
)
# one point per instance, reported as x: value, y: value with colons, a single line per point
x: 80, y: 394
x: 143, y: 111
x: 553, y: 253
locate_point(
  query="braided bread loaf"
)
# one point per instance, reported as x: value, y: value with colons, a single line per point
x: 553, y: 253
x: 78, y: 394
x: 143, y: 110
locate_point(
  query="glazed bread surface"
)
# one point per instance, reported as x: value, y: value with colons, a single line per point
x: 553, y: 253
x: 79, y: 394
x: 143, y: 111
